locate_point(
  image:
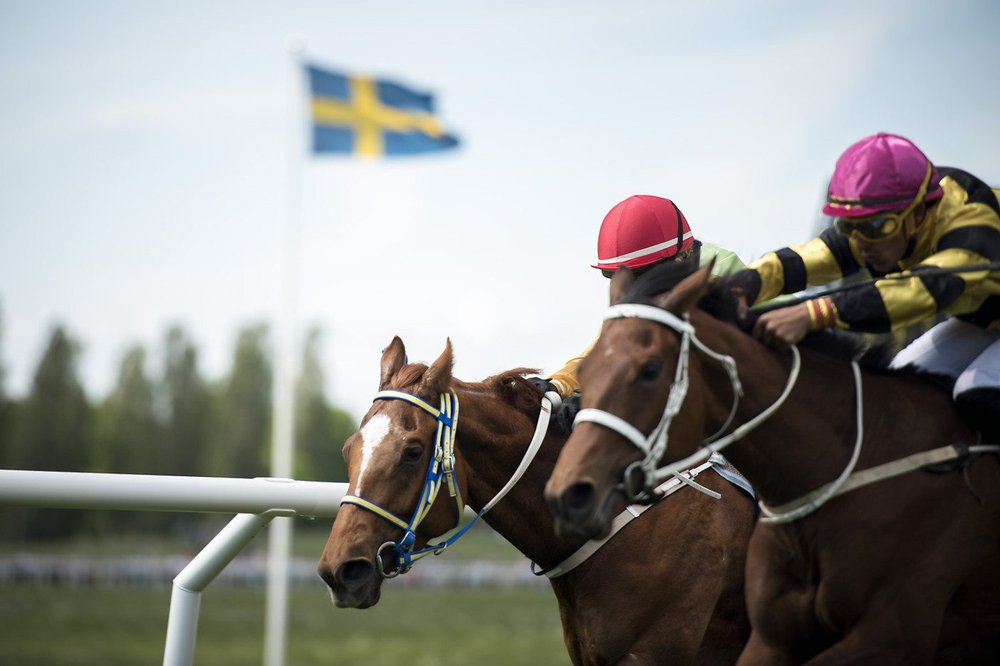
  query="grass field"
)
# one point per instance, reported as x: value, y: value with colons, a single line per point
x: 419, y: 626
x: 90, y: 626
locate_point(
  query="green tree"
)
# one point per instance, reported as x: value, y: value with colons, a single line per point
x: 243, y: 410
x: 53, y: 432
x: 126, y: 427
x: 127, y: 440
x: 320, y: 429
x: 184, y: 401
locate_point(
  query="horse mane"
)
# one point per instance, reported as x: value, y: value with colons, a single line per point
x: 511, y: 385
x: 659, y: 279
x: 514, y: 388
x: 721, y: 303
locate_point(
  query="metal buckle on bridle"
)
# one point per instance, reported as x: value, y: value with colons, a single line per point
x: 638, y: 485
x: 395, y: 558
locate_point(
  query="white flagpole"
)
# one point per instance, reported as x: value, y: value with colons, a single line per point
x: 283, y: 421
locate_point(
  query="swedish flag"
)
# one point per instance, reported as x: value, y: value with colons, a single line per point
x: 369, y: 117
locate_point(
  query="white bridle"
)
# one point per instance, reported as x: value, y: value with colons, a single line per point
x: 655, y: 445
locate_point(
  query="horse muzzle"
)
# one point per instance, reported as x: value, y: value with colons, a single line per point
x: 353, y: 583
x: 578, y: 512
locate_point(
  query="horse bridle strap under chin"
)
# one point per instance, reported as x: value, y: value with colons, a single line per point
x: 442, y: 462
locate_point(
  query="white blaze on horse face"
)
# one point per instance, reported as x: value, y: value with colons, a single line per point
x: 372, y: 435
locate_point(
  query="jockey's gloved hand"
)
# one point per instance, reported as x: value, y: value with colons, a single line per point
x: 562, y: 420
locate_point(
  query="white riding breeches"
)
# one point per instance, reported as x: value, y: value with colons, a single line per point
x: 967, y: 353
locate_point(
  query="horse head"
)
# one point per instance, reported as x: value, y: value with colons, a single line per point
x: 628, y: 375
x: 392, y: 505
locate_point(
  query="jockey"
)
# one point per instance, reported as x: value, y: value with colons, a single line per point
x: 898, y: 213
x: 639, y: 233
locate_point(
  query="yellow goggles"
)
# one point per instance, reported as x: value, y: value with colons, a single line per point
x: 872, y: 229
x: 882, y: 226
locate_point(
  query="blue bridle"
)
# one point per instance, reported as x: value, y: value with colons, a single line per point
x: 440, y: 469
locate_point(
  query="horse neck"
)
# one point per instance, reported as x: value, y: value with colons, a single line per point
x: 810, y: 440
x: 492, y: 439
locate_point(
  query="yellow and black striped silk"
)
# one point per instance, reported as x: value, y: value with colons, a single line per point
x: 962, y: 228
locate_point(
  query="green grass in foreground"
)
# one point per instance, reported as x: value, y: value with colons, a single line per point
x: 414, y: 626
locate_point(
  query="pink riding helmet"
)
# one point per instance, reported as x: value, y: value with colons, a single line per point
x: 879, y: 173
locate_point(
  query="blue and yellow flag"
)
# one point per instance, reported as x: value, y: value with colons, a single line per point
x: 372, y: 118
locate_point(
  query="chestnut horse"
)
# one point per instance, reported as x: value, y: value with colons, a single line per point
x: 667, y: 588
x: 903, y: 570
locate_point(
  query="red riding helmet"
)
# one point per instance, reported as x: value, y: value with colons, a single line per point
x: 640, y: 231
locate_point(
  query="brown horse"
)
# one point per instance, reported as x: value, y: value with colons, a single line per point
x: 903, y: 570
x: 667, y: 588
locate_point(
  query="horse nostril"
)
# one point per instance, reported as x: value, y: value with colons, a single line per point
x: 326, y: 573
x: 578, y: 499
x: 353, y: 573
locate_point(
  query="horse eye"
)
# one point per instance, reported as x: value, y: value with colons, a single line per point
x: 412, y: 453
x: 650, y: 370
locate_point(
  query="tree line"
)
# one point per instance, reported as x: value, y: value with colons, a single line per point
x: 168, y: 420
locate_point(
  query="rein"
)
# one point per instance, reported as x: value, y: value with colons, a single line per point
x: 441, y: 468
x: 924, y: 271
x: 656, y: 444
x: 630, y: 513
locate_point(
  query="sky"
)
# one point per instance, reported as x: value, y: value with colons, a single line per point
x: 149, y: 162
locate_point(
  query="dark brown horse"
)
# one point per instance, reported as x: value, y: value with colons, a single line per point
x: 904, y: 570
x: 668, y: 588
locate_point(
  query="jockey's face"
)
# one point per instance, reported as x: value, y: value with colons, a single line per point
x: 884, y: 255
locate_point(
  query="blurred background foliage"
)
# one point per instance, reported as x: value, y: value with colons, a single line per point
x: 160, y: 418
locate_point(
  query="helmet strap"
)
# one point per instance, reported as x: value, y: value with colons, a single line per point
x: 911, y: 226
x: 696, y: 253
x: 680, y: 227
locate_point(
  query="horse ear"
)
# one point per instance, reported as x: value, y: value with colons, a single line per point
x: 437, y: 379
x: 393, y: 358
x: 686, y: 295
x: 621, y: 281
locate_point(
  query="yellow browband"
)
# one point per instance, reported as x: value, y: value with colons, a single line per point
x: 442, y: 464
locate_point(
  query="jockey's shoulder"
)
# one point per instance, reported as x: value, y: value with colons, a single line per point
x: 727, y: 262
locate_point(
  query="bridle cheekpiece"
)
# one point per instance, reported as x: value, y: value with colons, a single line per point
x: 441, y: 469
x: 642, y: 477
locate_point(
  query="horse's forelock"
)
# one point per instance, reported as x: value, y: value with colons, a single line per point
x: 408, y: 376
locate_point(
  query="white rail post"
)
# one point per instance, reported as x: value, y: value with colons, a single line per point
x: 185, y: 600
x: 256, y: 502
